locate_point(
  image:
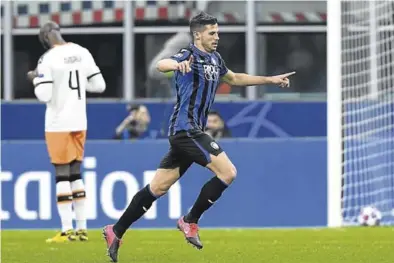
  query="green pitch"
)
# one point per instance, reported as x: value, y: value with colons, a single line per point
x: 350, y: 245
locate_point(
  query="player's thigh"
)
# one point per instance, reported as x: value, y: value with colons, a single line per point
x: 216, y: 159
x: 79, y: 139
x: 58, y: 146
x: 170, y: 170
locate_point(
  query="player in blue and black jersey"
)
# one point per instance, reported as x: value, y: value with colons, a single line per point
x: 198, y: 70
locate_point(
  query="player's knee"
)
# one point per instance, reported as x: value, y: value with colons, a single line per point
x: 232, y: 173
x: 75, y: 167
x: 158, y: 189
x: 163, y: 180
x: 62, y: 170
x: 228, y: 175
x: 75, y: 177
x: 61, y: 178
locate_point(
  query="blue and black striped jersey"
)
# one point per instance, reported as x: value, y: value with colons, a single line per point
x: 195, y: 91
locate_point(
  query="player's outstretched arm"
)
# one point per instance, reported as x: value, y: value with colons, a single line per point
x: 242, y: 79
x: 168, y: 64
x: 170, y: 47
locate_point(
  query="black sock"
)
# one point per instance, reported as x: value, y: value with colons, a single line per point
x: 210, y: 192
x: 141, y: 203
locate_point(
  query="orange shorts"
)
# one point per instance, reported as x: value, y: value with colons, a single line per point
x: 65, y: 147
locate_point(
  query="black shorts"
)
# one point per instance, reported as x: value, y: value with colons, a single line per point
x: 187, y: 147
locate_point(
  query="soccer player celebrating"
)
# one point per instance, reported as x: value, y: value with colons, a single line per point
x: 62, y: 77
x: 198, y: 71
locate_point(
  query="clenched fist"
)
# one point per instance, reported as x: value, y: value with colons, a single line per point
x: 31, y: 75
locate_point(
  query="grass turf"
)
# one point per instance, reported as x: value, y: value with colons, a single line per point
x: 350, y: 245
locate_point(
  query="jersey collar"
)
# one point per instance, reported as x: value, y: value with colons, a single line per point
x: 199, y: 52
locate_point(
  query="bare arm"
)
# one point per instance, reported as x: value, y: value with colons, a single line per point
x: 153, y: 67
x: 171, y: 47
x: 242, y: 79
x: 124, y: 124
x: 168, y: 64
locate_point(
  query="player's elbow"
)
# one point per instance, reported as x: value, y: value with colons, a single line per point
x: 97, y: 84
x: 227, y: 174
x: 231, y: 80
x: 155, y: 73
x: 160, y: 66
x: 101, y: 86
x: 43, y: 92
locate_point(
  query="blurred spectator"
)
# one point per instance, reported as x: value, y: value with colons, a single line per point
x: 135, y: 124
x: 216, y: 126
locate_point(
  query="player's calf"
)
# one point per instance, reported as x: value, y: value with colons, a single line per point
x: 213, y: 189
x: 64, y: 196
x: 140, y: 203
x: 143, y: 200
x: 113, y: 234
x: 79, y: 199
x: 210, y: 193
x: 138, y: 206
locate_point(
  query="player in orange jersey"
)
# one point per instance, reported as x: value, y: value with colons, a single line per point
x: 63, y: 76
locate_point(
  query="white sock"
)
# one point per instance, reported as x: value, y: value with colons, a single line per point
x: 79, y: 197
x: 64, y: 204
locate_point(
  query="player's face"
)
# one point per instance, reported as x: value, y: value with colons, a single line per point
x: 210, y: 37
x: 214, y: 122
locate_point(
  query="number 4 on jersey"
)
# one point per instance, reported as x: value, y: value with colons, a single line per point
x: 70, y: 83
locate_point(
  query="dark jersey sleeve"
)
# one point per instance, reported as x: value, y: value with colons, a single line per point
x: 182, y: 55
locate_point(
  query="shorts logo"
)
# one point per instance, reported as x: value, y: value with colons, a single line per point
x: 214, y: 145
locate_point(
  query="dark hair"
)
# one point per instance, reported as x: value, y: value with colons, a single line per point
x: 46, y: 30
x: 132, y: 107
x: 215, y: 112
x: 200, y: 20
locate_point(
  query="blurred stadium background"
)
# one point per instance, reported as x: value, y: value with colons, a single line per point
x: 277, y: 138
